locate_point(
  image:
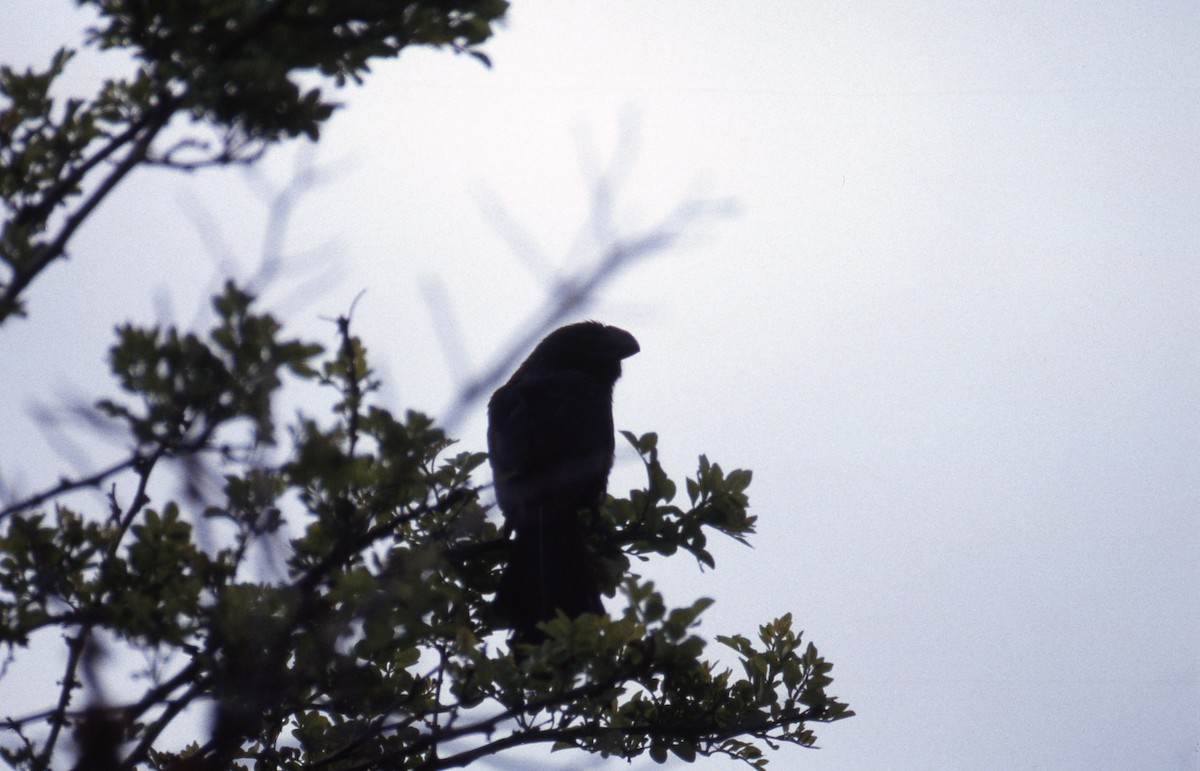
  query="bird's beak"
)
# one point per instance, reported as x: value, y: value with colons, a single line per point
x: 623, y: 343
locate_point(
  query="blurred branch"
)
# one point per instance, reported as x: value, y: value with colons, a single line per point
x: 281, y: 206
x: 316, y: 272
x: 520, y: 242
x: 441, y: 314
x: 575, y: 292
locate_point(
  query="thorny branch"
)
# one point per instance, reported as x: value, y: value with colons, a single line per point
x: 78, y: 645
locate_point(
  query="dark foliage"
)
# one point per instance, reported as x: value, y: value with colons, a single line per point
x: 330, y: 604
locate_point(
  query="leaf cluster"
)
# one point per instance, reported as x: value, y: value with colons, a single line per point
x: 215, y: 82
x: 373, y: 645
x: 234, y: 64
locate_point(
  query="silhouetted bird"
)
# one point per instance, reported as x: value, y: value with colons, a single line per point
x: 550, y: 439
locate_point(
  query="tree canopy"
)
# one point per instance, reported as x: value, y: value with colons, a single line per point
x: 329, y: 607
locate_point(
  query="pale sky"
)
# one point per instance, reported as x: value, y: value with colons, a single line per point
x: 952, y: 328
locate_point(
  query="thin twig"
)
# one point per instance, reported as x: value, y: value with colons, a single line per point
x: 69, y: 682
x: 170, y: 712
x: 67, y: 485
x: 485, y: 725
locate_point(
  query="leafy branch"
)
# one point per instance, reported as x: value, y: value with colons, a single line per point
x: 371, y: 643
x: 373, y: 652
x: 226, y: 77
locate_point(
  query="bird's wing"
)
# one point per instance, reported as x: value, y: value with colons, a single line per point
x: 550, y: 436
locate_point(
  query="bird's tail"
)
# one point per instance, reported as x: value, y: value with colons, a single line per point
x: 548, y: 570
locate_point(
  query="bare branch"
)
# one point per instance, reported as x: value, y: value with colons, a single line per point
x: 70, y: 681
x: 575, y: 292
x: 67, y: 485
x: 437, y: 301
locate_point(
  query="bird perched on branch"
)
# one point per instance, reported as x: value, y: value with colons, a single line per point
x: 550, y: 440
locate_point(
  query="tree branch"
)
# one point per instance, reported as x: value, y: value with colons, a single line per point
x: 170, y: 712
x: 155, y: 120
x: 67, y: 485
x: 58, y: 717
x: 438, y: 736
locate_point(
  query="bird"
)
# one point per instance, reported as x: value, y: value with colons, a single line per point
x: 550, y: 444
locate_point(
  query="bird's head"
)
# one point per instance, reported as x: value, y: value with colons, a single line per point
x: 589, y: 347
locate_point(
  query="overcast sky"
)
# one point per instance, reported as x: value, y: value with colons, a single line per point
x: 952, y: 329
